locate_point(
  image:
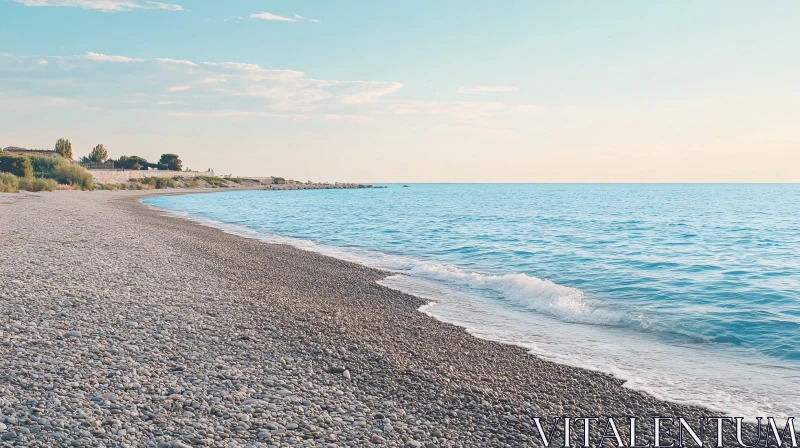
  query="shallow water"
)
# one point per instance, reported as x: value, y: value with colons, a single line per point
x: 689, y: 292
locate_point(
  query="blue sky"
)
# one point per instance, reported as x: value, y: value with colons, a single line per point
x: 415, y: 90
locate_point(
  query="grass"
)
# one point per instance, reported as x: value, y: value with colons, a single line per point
x: 74, y: 175
x: 213, y: 181
x: 159, y: 183
x: 37, y: 184
x: 115, y: 187
x: 9, y: 183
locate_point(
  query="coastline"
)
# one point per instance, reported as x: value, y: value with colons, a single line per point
x: 267, y: 329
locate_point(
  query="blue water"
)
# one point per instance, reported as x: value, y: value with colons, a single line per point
x: 690, y: 292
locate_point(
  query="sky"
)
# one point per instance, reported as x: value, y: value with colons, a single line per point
x: 414, y: 91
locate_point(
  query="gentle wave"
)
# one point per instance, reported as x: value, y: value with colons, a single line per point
x: 530, y: 292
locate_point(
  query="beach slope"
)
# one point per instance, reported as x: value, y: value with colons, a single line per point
x: 124, y: 326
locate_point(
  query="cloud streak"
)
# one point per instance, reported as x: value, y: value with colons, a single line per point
x: 176, y: 61
x: 486, y: 89
x: 103, y: 5
x: 107, y: 58
x: 276, y: 18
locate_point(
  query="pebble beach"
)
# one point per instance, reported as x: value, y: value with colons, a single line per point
x: 124, y: 327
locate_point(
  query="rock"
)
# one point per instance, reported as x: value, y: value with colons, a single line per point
x: 11, y: 435
x: 377, y: 439
x: 346, y: 375
x: 73, y: 334
x: 291, y: 426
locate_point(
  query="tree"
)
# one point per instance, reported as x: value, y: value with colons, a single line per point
x: 170, y: 162
x: 98, y: 154
x: 17, y: 165
x: 133, y: 163
x: 64, y: 148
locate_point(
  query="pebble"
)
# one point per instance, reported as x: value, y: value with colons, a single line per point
x: 172, y: 335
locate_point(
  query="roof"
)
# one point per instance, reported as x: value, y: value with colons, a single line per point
x: 18, y: 149
x: 30, y: 152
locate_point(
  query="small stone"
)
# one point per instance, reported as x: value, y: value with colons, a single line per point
x: 346, y: 375
x: 11, y: 435
x: 376, y: 439
x: 73, y: 334
x: 291, y: 426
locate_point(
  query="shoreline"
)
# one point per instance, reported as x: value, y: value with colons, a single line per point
x: 277, y: 326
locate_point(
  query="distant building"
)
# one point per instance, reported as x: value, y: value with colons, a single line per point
x: 48, y: 153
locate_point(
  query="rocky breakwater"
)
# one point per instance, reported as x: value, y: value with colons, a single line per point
x: 315, y: 186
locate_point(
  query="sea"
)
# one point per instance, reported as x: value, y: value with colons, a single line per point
x: 689, y: 292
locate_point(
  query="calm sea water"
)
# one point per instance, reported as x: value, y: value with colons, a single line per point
x: 689, y: 292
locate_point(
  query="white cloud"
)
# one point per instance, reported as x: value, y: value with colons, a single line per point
x: 213, y: 81
x: 103, y: 5
x: 176, y: 61
x: 246, y: 89
x: 43, y: 62
x: 107, y: 58
x: 364, y: 92
x: 159, y: 5
x: 287, y: 96
x: 356, y: 118
x: 269, y: 16
x: 58, y: 100
x: 486, y: 89
x: 233, y: 65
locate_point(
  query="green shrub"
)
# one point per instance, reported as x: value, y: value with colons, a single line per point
x: 151, y: 181
x: 19, y: 166
x: 71, y: 174
x: 45, y: 166
x: 37, y: 184
x: 115, y: 187
x: 214, y: 181
x: 164, y: 182
x: 9, y: 183
x: 191, y: 184
x: 235, y: 179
